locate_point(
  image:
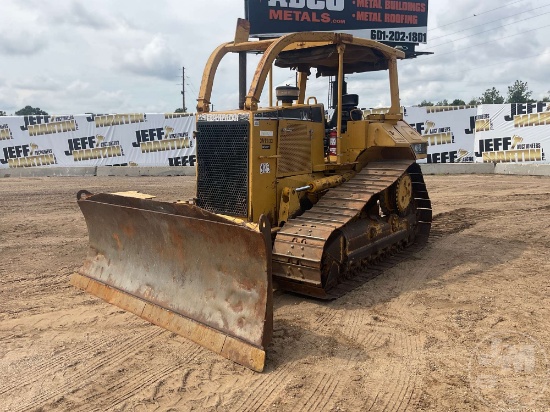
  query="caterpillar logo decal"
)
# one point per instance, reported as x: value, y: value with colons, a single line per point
x: 223, y: 117
x: 5, y: 132
x: 161, y: 139
x: 92, y: 147
x: 106, y: 120
x: 45, y: 125
x: 27, y: 155
x: 509, y: 150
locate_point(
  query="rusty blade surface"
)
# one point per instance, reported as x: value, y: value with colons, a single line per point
x: 185, y: 260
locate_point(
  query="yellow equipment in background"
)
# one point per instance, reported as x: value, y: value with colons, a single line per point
x: 284, y: 195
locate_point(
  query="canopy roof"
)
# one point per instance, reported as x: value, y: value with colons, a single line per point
x: 357, y: 59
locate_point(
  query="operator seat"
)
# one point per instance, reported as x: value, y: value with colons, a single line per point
x: 349, y: 112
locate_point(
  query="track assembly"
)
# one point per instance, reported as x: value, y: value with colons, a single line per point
x: 383, y: 209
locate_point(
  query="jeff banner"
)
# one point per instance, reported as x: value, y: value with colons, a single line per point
x: 447, y: 129
x: 506, y: 133
x: 512, y: 133
x: 132, y: 139
x: 382, y: 20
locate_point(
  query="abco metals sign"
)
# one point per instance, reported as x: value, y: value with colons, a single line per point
x: 382, y: 20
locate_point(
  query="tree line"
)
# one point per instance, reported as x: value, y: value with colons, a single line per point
x: 27, y: 111
x: 517, y: 93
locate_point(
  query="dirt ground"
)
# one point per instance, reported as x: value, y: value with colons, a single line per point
x: 463, y: 325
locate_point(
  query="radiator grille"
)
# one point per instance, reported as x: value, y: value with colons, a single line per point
x: 222, y: 167
x: 294, y: 149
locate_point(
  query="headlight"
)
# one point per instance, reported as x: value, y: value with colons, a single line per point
x: 420, y: 148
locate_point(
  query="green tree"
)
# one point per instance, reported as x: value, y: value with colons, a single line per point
x: 546, y: 98
x: 179, y: 110
x: 458, y: 102
x: 30, y: 111
x: 2, y: 113
x: 491, y: 96
x: 443, y: 102
x: 519, y: 93
x: 474, y: 101
x: 425, y: 103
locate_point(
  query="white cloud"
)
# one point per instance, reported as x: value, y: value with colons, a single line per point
x: 81, y: 15
x: 39, y: 82
x: 73, y: 56
x: 20, y: 42
x: 74, y: 13
x: 156, y: 59
x: 78, y: 86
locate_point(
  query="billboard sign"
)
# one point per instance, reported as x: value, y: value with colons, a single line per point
x: 381, y: 20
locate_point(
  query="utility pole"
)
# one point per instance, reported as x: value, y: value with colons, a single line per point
x: 242, y: 67
x: 183, y: 89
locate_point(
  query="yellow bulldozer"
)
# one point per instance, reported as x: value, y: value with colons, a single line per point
x: 286, y: 197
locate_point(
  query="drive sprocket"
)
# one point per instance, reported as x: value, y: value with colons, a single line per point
x: 403, y: 194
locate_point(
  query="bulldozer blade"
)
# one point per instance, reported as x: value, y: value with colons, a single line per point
x: 182, y: 268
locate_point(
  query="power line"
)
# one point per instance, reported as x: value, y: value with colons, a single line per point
x: 475, y: 15
x: 484, y: 31
x: 192, y: 88
x: 183, y: 89
x: 487, y: 65
x: 191, y: 85
x: 504, y: 62
x: 478, y: 44
x: 493, y: 21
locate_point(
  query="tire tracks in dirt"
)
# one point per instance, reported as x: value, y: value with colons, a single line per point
x: 266, y: 389
x: 403, y: 340
x: 55, y: 363
x: 84, y: 375
x: 377, y: 357
x: 129, y: 386
x: 320, y: 396
x: 357, y: 330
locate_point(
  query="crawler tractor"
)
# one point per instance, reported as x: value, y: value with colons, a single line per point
x: 287, y: 197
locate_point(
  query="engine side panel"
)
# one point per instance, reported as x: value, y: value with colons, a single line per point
x: 263, y: 170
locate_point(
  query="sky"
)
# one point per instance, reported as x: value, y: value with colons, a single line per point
x: 73, y: 56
